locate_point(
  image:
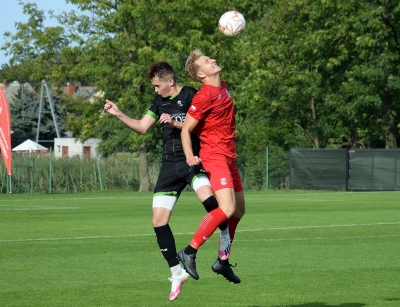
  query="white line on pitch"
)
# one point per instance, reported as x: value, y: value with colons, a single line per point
x: 320, y: 238
x: 191, y: 233
x: 320, y: 226
x: 40, y: 208
x: 73, y: 198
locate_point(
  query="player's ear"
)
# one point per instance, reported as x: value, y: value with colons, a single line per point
x: 201, y: 75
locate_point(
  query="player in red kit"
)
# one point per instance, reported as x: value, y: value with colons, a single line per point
x: 211, y: 116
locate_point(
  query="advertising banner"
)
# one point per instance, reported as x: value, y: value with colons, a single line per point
x: 5, y: 133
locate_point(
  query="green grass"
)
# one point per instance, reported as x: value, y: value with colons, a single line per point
x: 293, y: 248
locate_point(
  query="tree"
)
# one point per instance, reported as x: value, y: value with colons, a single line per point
x: 303, y: 74
x: 113, y: 43
x: 325, y: 71
x: 24, y: 114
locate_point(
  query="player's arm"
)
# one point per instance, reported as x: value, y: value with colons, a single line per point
x: 188, y: 126
x: 140, y: 126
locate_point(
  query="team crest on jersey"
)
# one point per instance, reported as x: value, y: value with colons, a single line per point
x: 219, y: 97
x: 223, y: 181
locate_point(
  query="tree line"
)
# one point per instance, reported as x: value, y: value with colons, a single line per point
x: 305, y: 73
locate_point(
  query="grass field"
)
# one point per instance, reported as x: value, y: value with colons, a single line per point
x: 293, y: 248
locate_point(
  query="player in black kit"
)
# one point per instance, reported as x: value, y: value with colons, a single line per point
x: 169, y: 108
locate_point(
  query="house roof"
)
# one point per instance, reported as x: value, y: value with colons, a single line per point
x: 11, y: 90
x: 77, y: 90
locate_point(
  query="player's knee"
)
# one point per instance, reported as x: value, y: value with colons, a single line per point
x: 228, y: 210
x: 157, y: 222
x: 239, y: 211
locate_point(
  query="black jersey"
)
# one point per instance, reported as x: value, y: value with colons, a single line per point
x: 177, y: 108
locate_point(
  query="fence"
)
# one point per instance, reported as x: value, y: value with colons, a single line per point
x: 345, y: 169
x: 37, y: 173
x: 31, y: 174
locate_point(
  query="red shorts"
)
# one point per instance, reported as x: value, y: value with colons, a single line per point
x: 222, y: 171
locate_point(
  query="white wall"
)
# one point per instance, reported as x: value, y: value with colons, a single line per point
x: 75, y: 147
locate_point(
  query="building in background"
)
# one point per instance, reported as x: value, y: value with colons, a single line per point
x: 71, y: 147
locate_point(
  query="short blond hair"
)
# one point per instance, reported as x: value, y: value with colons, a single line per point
x: 191, y: 67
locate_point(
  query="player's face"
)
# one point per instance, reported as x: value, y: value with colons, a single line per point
x: 162, y: 86
x: 208, y: 66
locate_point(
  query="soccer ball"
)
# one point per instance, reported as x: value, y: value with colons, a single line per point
x: 232, y: 23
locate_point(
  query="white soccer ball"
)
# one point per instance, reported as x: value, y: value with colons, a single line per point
x: 232, y: 23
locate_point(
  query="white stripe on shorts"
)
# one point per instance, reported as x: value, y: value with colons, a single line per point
x: 200, y: 181
x: 164, y: 201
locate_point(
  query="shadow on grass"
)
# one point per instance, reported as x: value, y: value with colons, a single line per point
x: 322, y: 305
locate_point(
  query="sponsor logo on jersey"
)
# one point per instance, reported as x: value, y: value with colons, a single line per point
x: 202, y: 170
x: 223, y: 181
x: 179, y: 117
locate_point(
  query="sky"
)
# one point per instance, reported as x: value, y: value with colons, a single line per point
x: 12, y: 12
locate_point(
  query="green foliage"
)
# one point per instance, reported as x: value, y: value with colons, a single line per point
x: 321, y: 74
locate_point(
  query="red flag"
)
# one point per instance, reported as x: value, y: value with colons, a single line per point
x: 5, y: 135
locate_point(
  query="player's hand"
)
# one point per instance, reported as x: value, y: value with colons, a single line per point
x: 166, y: 119
x: 195, y: 160
x: 111, y: 108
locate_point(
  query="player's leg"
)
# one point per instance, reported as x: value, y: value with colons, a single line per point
x: 222, y: 184
x: 240, y: 207
x: 164, y: 199
x: 222, y: 266
x: 206, y: 228
x: 162, y: 208
x: 202, y: 186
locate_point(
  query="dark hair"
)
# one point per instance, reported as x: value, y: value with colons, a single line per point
x: 162, y: 70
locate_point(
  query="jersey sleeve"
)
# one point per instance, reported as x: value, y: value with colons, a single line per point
x: 154, y: 111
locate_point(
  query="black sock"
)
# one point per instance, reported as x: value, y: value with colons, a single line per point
x: 190, y: 250
x: 166, y: 242
x: 210, y: 204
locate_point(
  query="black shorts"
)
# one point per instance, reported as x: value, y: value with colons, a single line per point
x: 175, y: 176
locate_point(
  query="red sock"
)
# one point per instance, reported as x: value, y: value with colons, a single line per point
x: 233, y: 221
x: 207, y: 227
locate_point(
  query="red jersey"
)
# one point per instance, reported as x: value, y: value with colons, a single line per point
x: 213, y: 108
